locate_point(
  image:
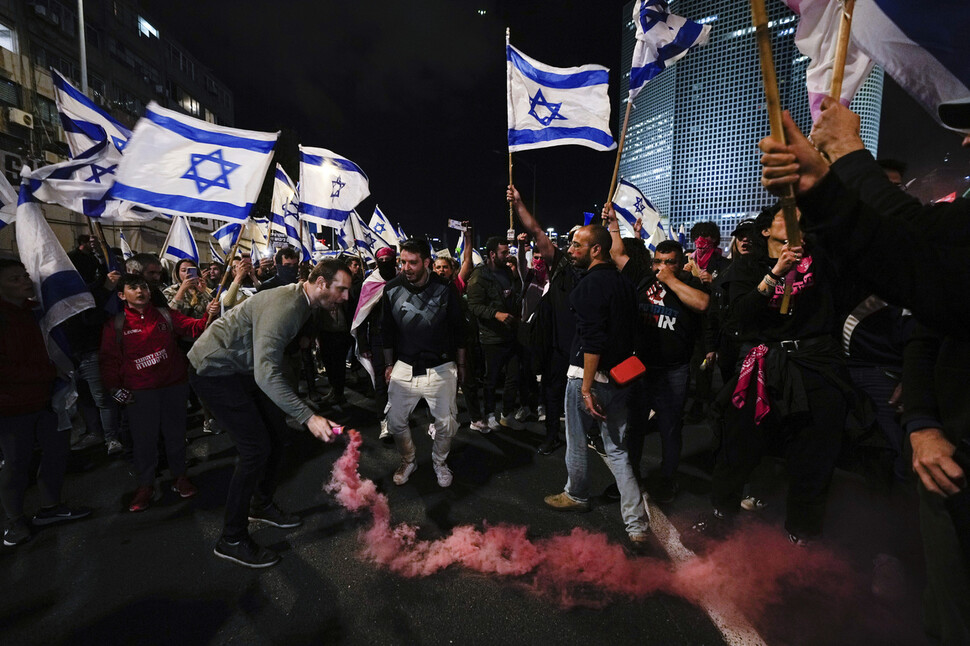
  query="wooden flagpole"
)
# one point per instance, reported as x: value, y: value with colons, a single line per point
x: 508, y: 99
x: 232, y: 254
x: 841, y: 49
x: 759, y: 18
x: 619, y: 151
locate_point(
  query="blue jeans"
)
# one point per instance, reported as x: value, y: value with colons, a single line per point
x: 613, y: 430
x: 89, y: 369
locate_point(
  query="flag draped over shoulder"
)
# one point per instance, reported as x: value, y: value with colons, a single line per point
x: 60, y: 289
x: 180, y: 243
x: 557, y: 106
x: 330, y: 187
x: 923, y: 46
x: 380, y: 225
x: 632, y: 205
x: 370, y: 295
x: 183, y: 166
x: 662, y: 38
x: 816, y: 37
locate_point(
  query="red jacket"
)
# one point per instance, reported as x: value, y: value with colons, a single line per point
x: 26, y: 371
x: 148, y: 355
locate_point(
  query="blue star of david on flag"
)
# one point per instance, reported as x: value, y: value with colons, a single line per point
x: 203, y: 183
x: 639, y: 206
x: 337, y: 185
x: 380, y: 228
x: 97, y: 172
x: 553, y: 108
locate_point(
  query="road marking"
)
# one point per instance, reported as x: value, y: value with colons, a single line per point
x: 729, y: 621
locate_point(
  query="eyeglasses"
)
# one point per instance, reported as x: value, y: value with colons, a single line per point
x: 667, y: 261
x: 576, y: 245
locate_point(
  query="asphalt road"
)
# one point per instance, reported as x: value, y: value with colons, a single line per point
x: 151, y: 577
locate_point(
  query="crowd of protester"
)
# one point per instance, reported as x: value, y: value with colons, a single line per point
x: 805, y: 352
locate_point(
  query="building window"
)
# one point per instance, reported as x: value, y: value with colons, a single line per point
x: 47, y: 110
x: 145, y: 28
x: 211, y: 117
x: 9, y: 93
x: 92, y: 37
x: 8, y: 38
x: 185, y: 65
x: 190, y: 105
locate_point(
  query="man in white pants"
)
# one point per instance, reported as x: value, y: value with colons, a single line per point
x: 422, y: 333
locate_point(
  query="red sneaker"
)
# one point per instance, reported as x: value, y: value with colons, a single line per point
x: 184, y: 487
x: 142, y: 499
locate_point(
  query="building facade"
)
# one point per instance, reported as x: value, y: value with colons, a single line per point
x: 691, y: 145
x: 130, y: 62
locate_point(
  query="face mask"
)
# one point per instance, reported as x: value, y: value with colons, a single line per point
x: 287, y: 273
x: 387, y: 270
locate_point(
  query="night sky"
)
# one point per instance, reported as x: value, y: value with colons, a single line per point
x: 414, y: 92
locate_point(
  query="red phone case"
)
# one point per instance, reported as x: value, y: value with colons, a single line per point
x: 627, y: 371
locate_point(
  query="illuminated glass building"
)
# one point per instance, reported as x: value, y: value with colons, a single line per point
x: 691, y: 146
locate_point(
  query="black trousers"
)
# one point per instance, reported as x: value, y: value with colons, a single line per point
x: 257, y: 426
x: 18, y: 436
x: 500, y: 358
x: 333, y: 353
x: 554, y: 391
x: 809, y: 442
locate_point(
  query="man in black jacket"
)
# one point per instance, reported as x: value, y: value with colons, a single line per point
x: 859, y: 216
x: 606, y: 311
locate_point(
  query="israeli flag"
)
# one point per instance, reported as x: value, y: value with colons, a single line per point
x: 283, y: 207
x: 330, y: 187
x: 226, y: 236
x: 661, y: 39
x: 380, y: 225
x: 460, y: 253
x: 181, y: 242
x: 632, y: 205
x: 60, y: 290
x: 556, y: 106
x: 401, y: 236
x: 183, y: 166
x: 8, y: 202
x: 126, y: 252
x: 215, y: 255
x: 85, y: 124
x: 656, y: 237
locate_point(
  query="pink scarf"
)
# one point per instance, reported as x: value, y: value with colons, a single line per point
x: 761, y: 405
x: 705, y: 250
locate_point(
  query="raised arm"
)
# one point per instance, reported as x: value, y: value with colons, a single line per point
x: 467, y: 259
x: 618, y: 250
x: 543, y: 244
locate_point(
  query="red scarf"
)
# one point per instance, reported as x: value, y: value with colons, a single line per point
x: 761, y: 405
x: 705, y: 250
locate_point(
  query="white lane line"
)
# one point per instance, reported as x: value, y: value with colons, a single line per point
x: 733, y: 626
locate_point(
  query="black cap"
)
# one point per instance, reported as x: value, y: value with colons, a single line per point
x: 746, y: 227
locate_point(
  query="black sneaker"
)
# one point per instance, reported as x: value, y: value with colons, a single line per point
x: 548, y: 447
x: 595, y: 442
x: 59, y: 514
x: 246, y: 553
x: 272, y: 515
x: 17, y: 532
x: 666, y: 490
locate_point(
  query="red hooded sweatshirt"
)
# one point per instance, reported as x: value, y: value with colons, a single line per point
x: 148, y: 355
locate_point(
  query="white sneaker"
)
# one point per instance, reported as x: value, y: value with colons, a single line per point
x: 479, y: 425
x: 404, y: 472
x: 432, y: 430
x: 444, y: 475
x: 541, y: 413
x: 385, y: 431
x: 522, y: 414
x: 511, y: 422
x: 493, y: 424
x: 753, y: 504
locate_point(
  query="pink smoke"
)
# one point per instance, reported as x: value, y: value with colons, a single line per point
x: 752, y: 569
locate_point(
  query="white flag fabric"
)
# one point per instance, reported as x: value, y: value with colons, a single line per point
x: 662, y: 38
x: 556, y: 106
x: 85, y: 124
x: 632, y: 205
x: 8, y: 202
x: 183, y: 166
x: 126, y: 252
x: 923, y: 47
x: 331, y: 187
x: 816, y: 37
x: 181, y: 242
x: 60, y: 290
x: 460, y: 252
x: 285, y: 218
x: 226, y: 236
x: 656, y: 237
x: 215, y: 254
x: 380, y: 225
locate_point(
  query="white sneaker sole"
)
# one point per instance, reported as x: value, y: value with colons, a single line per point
x: 254, y: 566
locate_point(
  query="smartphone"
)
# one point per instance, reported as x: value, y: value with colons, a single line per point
x: 193, y: 272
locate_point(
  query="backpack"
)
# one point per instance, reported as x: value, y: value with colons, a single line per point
x: 119, y: 325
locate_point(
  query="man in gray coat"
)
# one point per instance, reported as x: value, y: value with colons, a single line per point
x: 238, y: 371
